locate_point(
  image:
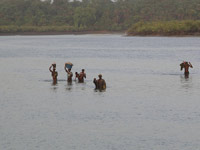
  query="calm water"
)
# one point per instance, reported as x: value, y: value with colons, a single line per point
x: 148, y: 104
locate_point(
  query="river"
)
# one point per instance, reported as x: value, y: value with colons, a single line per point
x: 148, y: 104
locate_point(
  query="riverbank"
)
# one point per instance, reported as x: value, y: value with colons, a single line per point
x: 98, y: 32
x: 61, y: 33
x: 52, y: 30
x: 166, y: 35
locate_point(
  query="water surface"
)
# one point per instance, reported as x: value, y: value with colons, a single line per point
x: 148, y: 104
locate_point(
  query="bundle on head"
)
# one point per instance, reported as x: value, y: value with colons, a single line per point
x: 68, y: 65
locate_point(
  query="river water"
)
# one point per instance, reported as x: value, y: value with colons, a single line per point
x: 148, y: 105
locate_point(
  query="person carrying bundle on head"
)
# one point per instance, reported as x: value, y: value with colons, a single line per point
x: 68, y: 67
x: 54, y: 73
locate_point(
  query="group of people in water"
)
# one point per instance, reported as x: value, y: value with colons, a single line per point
x: 100, y: 83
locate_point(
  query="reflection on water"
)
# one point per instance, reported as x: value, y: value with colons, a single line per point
x: 54, y: 82
x: 97, y: 90
x: 186, y: 81
x: 54, y: 86
x: 69, y: 86
x: 186, y: 76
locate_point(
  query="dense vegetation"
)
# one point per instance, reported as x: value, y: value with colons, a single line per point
x: 166, y: 28
x: 93, y: 15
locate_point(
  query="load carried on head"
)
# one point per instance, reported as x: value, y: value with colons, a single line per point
x: 54, y: 65
x: 68, y: 65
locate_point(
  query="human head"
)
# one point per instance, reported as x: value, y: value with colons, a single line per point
x: 83, y: 70
x: 69, y: 70
x: 54, y: 65
x: 100, y: 76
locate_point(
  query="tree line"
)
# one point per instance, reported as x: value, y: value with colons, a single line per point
x: 166, y: 28
x: 93, y: 15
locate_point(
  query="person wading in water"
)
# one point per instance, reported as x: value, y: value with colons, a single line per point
x: 186, y: 65
x: 54, y: 73
x: 81, y: 76
x: 69, y: 75
x: 100, y: 84
x: 76, y: 76
x: 67, y: 68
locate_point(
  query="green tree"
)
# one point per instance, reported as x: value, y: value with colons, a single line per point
x: 84, y: 17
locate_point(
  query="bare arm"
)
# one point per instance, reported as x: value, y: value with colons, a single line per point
x: 94, y: 81
x: 50, y: 68
x: 182, y: 66
x: 66, y: 69
x: 104, y: 84
x: 190, y: 65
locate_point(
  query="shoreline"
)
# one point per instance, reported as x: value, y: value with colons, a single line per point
x: 95, y: 32
x: 62, y: 33
x: 164, y: 35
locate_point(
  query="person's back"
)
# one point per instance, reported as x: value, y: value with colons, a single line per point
x: 100, y: 84
x: 81, y: 76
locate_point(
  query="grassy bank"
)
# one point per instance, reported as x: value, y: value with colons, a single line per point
x: 165, y: 28
x: 15, y: 29
x: 51, y: 30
